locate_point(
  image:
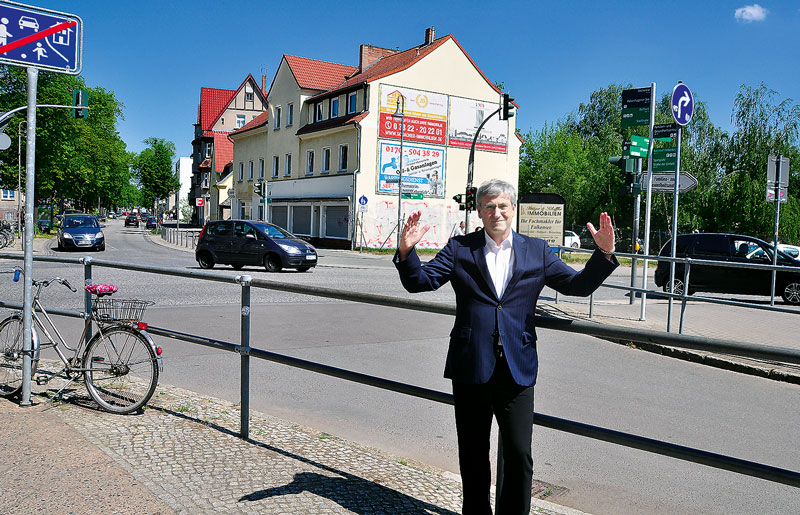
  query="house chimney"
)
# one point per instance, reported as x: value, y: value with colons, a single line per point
x: 369, y: 54
x: 430, y: 35
x: 264, y: 85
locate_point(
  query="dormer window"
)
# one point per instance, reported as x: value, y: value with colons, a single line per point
x: 318, y: 116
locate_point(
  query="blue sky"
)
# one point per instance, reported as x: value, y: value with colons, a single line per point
x: 551, y: 55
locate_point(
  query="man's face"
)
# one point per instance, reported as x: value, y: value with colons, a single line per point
x: 497, y: 212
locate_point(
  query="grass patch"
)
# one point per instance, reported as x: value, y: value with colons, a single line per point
x: 391, y: 251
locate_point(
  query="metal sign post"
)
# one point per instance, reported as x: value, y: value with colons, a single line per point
x: 53, y: 41
x: 649, y: 197
x: 682, y: 111
x: 777, y: 184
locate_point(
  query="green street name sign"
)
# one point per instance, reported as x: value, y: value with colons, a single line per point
x: 640, y: 141
x: 634, y: 116
x: 412, y: 196
x: 664, y: 159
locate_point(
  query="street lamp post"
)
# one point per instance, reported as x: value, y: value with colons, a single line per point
x: 400, y: 112
x: 19, y: 178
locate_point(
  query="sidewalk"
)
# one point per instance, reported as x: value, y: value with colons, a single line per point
x: 182, y: 455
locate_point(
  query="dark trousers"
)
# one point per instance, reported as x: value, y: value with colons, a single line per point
x: 512, y: 405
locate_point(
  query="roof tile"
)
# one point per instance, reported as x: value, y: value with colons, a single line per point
x: 316, y: 74
x: 223, y: 151
x: 212, y: 102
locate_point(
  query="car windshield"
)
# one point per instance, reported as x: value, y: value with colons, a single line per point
x: 72, y: 222
x: 273, y: 231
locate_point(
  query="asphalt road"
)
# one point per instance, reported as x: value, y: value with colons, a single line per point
x: 582, y: 378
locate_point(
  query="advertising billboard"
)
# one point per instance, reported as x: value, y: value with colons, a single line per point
x: 425, y: 115
x: 423, y: 169
x: 466, y: 115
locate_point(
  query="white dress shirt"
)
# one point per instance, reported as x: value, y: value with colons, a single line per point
x: 499, y: 261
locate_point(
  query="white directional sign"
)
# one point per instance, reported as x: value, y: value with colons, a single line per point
x: 42, y: 38
x: 666, y: 182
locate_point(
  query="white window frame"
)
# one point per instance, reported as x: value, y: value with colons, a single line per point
x: 287, y: 171
x: 331, y: 103
x: 309, y: 162
x: 352, y: 106
x: 276, y: 165
x: 241, y: 171
x: 326, y: 156
x: 318, y: 112
x: 261, y: 168
x: 241, y: 120
x: 289, y: 115
x: 277, y: 122
x: 347, y: 156
x: 9, y: 194
x: 249, y: 96
x: 209, y: 147
x: 250, y: 171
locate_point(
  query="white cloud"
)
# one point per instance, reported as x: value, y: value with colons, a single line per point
x: 750, y: 13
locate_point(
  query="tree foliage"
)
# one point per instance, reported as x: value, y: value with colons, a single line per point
x: 570, y: 157
x: 154, y: 170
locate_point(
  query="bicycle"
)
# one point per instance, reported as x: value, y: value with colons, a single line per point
x: 7, y: 236
x: 119, y: 364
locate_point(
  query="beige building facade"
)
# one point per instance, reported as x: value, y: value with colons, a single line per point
x: 332, y: 147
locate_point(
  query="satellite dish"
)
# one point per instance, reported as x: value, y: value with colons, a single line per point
x: 5, y: 141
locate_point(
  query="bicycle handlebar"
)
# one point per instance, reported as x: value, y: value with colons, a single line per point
x: 18, y: 271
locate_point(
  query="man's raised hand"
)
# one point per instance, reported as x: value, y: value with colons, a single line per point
x: 411, y: 235
x: 603, y: 237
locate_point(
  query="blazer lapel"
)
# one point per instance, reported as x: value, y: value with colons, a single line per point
x: 477, y: 244
x: 520, y: 249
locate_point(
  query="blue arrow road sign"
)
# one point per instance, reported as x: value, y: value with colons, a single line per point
x: 42, y: 38
x: 682, y: 104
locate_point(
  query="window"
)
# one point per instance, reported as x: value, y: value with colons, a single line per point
x: 208, y: 149
x: 318, y: 109
x: 288, y: 171
x: 240, y: 121
x: 241, y: 171
x: 334, y: 110
x: 244, y: 230
x: 309, y: 162
x: 342, y: 158
x: 351, y: 102
x: 275, y: 165
x: 289, y: 114
x: 326, y: 160
x: 9, y: 194
x: 277, y: 117
x: 250, y: 171
x: 222, y: 121
x: 260, y: 168
x: 248, y: 96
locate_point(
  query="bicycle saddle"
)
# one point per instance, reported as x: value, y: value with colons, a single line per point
x: 101, y: 289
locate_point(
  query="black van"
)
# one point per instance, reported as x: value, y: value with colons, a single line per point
x: 732, y: 248
x: 247, y: 242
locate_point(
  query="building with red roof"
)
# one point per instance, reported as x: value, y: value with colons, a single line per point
x: 220, y: 112
x: 329, y: 147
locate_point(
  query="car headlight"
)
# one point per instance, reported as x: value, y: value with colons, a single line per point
x: 67, y: 236
x: 99, y: 235
x: 290, y: 249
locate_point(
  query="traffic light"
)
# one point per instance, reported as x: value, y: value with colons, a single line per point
x: 624, y: 164
x: 80, y: 98
x: 470, y: 202
x: 460, y: 198
x: 506, y: 107
x: 259, y: 186
x: 627, y: 185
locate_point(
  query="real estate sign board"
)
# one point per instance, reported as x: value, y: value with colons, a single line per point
x: 425, y: 117
x: 423, y: 168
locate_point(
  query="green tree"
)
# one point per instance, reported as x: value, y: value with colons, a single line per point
x: 154, y: 170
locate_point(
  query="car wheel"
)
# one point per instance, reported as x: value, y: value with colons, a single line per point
x: 791, y: 293
x: 677, y: 289
x: 205, y: 260
x: 304, y: 269
x: 272, y: 263
x: 574, y: 245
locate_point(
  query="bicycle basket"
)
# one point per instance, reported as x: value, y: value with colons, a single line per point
x: 120, y: 310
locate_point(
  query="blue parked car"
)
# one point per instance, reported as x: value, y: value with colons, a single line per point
x: 247, y: 242
x: 81, y: 231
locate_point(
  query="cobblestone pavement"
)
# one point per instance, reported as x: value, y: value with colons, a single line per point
x: 182, y: 454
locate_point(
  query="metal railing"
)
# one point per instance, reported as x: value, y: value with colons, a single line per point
x: 186, y: 238
x: 684, y: 296
x: 245, y: 351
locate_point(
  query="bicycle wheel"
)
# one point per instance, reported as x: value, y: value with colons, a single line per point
x: 121, y: 372
x: 11, y: 356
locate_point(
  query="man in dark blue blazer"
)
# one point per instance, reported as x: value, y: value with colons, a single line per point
x: 497, y: 275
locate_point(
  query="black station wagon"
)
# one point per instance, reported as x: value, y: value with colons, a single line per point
x: 731, y: 248
x: 247, y: 242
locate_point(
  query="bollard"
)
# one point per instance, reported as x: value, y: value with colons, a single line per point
x: 244, y: 352
x: 685, y: 293
x: 591, y: 305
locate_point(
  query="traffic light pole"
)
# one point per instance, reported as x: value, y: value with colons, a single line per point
x: 637, y: 206
x: 471, y: 164
x: 648, y: 200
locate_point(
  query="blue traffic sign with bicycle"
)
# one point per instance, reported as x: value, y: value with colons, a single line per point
x: 682, y: 104
x: 41, y: 38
